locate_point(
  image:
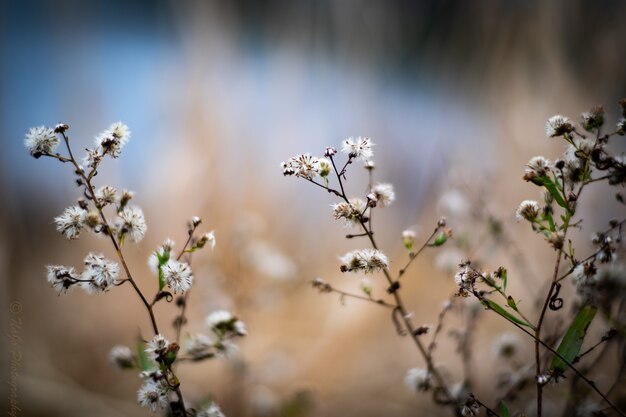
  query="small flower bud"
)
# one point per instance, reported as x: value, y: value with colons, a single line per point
x: 195, y: 221
x: 593, y: 119
x: 408, y: 238
x: 61, y: 128
x: 441, y: 222
x: 330, y: 151
x: 369, y: 165
x: 125, y: 198
x: 371, y: 200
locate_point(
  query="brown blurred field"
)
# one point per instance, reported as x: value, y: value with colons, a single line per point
x: 455, y: 96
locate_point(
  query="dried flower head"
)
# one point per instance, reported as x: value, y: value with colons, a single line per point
x: 350, y: 212
x: 99, y: 273
x: 131, y: 222
x: 365, y: 260
x: 304, y: 165
x: 558, y: 126
x: 198, y: 345
x: 418, y: 379
x: 112, y: 140
x: 384, y: 194
x: 223, y: 322
x: 593, y: 119
x: 157, y: 346
x: 177, y: 275
x: 153, y: 395
x: 41, y: 140
x: 61, y: 278
x: 106, y: 195
x: 71, y: 222
x: 537, y: 168
x: 122, y: 357
x: 211, y: 411
x: 359, y: 148
x: 471, y: 407
x: 527, y: 210
x: 206, y: 238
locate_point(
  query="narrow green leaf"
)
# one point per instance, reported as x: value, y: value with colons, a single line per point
x: 553, y: 190
x: 574, y: 337
x: 501, y: 311
x: 162, y: 261
x: 504, y: 410
x: 145, y: 364
x: 504, y: 280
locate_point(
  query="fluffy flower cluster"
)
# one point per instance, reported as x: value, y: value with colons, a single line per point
x: 527, y: 210
x: 382, y: 195
x: 211, y: 411
x: 466, y: 278
x: 98, y: 276
x: 306, y: 166
x: 350, y: 212
x: 41, y: 140
x: 359, y: 148
x: 558, y: 126
x: 418, y: 379
x: 225, y: 326
x: 365, y: 260
x: 99, y: 273
x: 177, y: 275
x: 132, y: 223
x: 122, y: 357
x: 71, y: 222
x: 112, y: 140
x: 157, y: 347
x: 224, y: 322
x: 537, y: 168
x: 153, y: 394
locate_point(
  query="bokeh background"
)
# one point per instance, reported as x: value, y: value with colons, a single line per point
x: 217, y: 93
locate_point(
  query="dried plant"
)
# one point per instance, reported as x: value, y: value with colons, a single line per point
x: 107, y: 212
x: 598, y: 278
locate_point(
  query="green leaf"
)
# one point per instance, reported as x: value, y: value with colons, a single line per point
x: 145, y: 364
x: 162, y: 261
x: 492, y: 305
x: 439, y: 240
x: 574, y: 337
x: 504, y: 280
x: 504, y: 410
x: 553, y: 190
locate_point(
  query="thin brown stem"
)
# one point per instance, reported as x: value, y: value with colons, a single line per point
x: 129, y: 277
x: 412, y: 255
x: 569, y: 365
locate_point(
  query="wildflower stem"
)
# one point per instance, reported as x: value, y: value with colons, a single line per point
x: 181, y: 323
x: 398, y: 299
x: 92, y: 195
x: 569, y: 364
x: 381, y: 302
x: 419, y: 251
x: 330, y: 190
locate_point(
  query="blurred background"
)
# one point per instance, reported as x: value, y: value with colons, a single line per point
x: 454, y: 94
